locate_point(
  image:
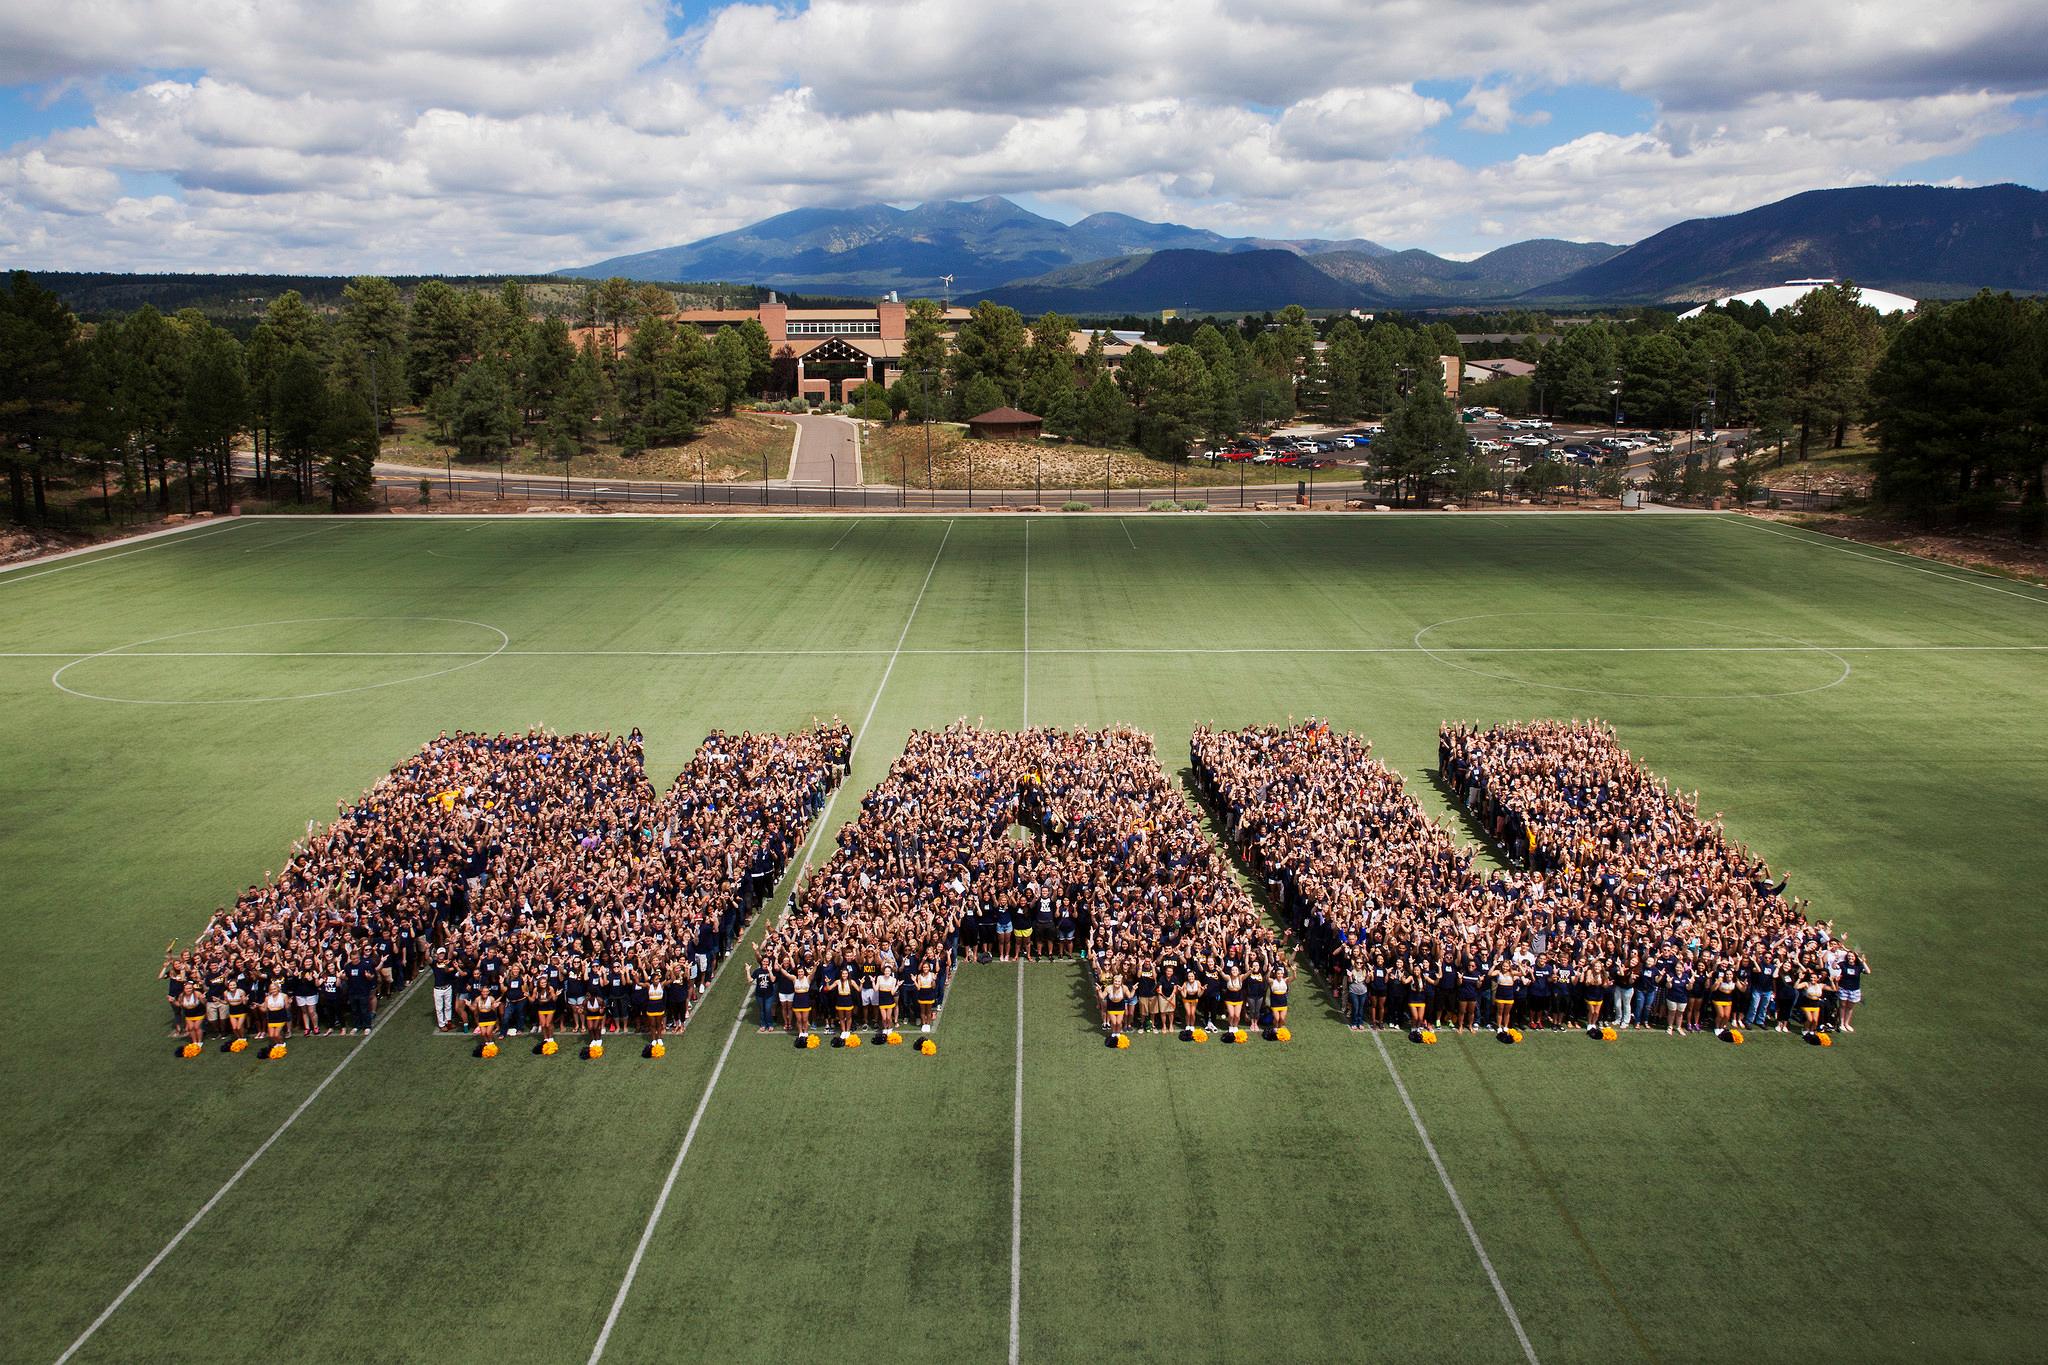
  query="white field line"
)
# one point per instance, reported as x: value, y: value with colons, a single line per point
x: 1027, y: 625
x: 842, y: 537
x: 1127, y: 533
x: 240, y: 1171
x: 667, y: 1186
x: 1899, y: 563
x: 1017, y: 1180
x: 1493, y: 1277
x: 704, y: 1102
x: 98, y: 655
x: 156, y: 538
x: 303, y: 535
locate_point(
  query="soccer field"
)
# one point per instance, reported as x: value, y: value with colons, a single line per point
x: 176, y: 712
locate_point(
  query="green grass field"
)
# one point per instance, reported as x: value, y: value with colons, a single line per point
x: 1874, y: 724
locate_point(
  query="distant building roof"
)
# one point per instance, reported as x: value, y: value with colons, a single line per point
x: 1003, y: 417
x: 1514, y: 369
x: 1785, y: 295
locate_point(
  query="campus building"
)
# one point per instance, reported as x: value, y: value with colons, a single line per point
x: 824, y: 354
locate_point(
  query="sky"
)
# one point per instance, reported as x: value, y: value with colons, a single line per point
x: 477, y: 136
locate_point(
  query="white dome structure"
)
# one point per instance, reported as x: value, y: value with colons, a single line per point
x: 1791, y: 291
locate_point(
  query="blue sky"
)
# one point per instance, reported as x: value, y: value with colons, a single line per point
x: 404, y: 135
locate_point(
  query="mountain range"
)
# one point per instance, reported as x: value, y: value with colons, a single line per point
x: 1917, y: 239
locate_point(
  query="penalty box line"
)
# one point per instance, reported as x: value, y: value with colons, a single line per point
x: 240, y: 1171
x: 668, y: 1185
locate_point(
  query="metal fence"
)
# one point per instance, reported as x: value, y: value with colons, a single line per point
x: 1806, y: 500
x: 473, y: 487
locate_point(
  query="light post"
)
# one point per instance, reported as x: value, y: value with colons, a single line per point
x: 970, y: 473
x: 700, y: 474
x: 1240, y: 483
x: 1038, y: 475
x: 1614, y: 392
x: 1105, y: 481
x: 832, y: 499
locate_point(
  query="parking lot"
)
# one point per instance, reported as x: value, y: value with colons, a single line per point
x: 1507, y: 445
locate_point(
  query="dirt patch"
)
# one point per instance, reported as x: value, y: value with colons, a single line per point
x: 730, y: 449
x: 890, y: 454
x: 19, y: 544
x: 2000, y: 555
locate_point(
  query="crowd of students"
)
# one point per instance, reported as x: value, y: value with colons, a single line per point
x: 1627, y: 910
x: 538, y: 877
x: 546, y: 886
x: 1018, y: 845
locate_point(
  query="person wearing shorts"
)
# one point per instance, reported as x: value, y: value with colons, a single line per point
x: 1854, y: 969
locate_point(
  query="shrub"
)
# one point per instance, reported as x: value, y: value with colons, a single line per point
x: 1074, y: 506
x: 1194, y: 507
x: 1162, y: 505
x: 426, y: 490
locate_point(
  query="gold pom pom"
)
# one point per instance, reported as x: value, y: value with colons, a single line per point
x: 1827, y: 1040
x: 895, y: 1039
x: 276, y: 1052
x: 927, y: 1046
x: 594, y: 1051
x: 1283, y: 1034
x: 189, y: 1050
x: 657, y: 1048
x: 853, y: 1040
x: 1607, y: 1035
x: 1429, y: 1036
x: 550, y: 1048
x: 1122, y: 1042
x: 810, y: 1042
x: 488, y: 1050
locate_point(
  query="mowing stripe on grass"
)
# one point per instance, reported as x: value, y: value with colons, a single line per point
x: 234, y: 1179
x: 611, y: 1319
x: 154, y: 537
x: 1898, y: 563
x: 1017, y: 1180
x: 133, y: 653
x: 1485, y: 1261
x: 667, y: 1187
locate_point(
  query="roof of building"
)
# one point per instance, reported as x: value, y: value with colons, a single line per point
x: 1784, y: 295
x: 1519, y: 369
x: 1003, y: 417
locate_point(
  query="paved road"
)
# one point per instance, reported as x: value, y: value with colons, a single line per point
x: 827, y: 452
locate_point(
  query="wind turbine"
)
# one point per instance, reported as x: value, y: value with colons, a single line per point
x: 947, y: 280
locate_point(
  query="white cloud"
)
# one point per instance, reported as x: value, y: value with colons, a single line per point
x: 521, y: 134
x: 1350, y: 124
x: 1493, y: 110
